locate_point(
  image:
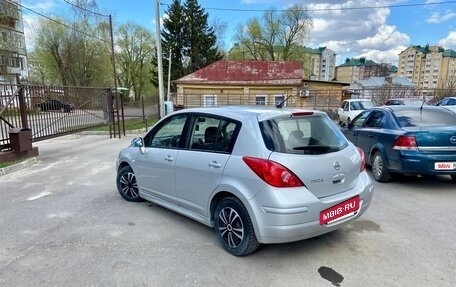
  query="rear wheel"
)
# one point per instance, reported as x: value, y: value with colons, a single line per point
x: 379, y: 170
x: 234, y: 228
x: 127, y: 185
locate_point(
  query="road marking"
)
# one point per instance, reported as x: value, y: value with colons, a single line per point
x: 43, y: 194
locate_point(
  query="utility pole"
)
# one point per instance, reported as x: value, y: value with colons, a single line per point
x: 159, y: 60
x: 169, y: 74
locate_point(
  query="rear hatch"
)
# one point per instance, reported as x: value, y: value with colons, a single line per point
x: 314, y: 149
x: 324, y: 174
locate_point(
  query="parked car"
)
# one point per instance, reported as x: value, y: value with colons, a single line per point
x: 349, y: 109
x: 256, y: 175
x: 407, y: 140
x: 448, y: 103
x: 55, y: 105
x: 406, y: 101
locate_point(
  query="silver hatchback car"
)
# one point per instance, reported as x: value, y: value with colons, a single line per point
x: 255, y: 174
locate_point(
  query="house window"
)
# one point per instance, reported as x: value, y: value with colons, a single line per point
x: 279, y: 100
x: 209, y: 100
x: 260, y: 100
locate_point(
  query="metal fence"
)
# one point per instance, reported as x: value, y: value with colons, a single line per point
x: 50, y: 111
x: 325, y: 100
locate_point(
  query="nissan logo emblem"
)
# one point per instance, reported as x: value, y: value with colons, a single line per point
x: 453, y: 139
x: 337, y: 165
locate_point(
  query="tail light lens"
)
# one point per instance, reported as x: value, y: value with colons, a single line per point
x: 405, y: 143
x: 363, y: 159
x: 272, y: 172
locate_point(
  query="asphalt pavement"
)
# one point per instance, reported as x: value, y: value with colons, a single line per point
x: 62, y: 223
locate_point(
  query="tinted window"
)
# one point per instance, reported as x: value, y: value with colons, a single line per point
x: 212, y: 134
x: 375, y: 120
x: 452, y: 102
x: 308, y: 135
x: 412, y: 118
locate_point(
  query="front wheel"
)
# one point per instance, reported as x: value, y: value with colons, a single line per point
x: 127, y: 185
x: 379, y: 170
x: 234, y: 228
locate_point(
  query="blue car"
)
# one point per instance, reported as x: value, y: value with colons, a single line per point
x: 406, y: 140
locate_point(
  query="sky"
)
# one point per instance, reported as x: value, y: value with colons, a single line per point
x: 377, y: 30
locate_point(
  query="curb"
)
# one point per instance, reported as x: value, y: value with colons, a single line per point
x: 18, y: 166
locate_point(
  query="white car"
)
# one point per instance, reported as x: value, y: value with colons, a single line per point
x: 349, y: 109
x: 448, y: 103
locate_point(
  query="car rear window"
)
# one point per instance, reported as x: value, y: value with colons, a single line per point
x: 315, y: 134
x: 425, y: 117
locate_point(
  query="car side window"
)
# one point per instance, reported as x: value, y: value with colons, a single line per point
x: 452, y: 102
x: 359, y: 120
x: 167, y: 135
x: 346, y: 105
x: 443, y: 102
x: 212, y: 134
x: 375, y: 120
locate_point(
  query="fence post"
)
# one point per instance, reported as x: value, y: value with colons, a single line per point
x: 22, y: 104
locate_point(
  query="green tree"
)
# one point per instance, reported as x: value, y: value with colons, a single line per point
x: 192, y: 42
x: 74, y: 53
x: 133, y: 58
x: 199, y: 39
x: 172, y: 41
x: 275, y: 36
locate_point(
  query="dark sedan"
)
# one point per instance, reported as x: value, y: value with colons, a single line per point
x: 55, y: 105
x: 407, y: 140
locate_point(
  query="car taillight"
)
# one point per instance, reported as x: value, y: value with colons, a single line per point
x: 272, y: 172
x: 405, y: 143
x: 363, y: 159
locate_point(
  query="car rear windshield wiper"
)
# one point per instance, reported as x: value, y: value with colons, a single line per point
x: 317, y: 148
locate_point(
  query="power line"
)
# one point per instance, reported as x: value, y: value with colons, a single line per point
x: 56, y: 21
x: 328, y: 9
x: 84, y: 9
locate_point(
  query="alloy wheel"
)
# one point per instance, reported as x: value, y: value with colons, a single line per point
x: 231, y: 227
x: 378, y: 166
x: 128, y: 185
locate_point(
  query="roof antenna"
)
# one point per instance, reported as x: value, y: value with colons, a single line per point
x: 280, y: 105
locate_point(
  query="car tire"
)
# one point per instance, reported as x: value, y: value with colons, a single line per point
x: 127, y: 185
x: 379, y: 170
x: 234, y: 228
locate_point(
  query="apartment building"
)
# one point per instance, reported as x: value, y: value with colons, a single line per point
x: 429, y: 67
x: 319, y: 64
x: 359, y: 69
x: 13, y: 58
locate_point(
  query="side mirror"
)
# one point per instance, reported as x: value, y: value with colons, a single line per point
x: 137, y: 142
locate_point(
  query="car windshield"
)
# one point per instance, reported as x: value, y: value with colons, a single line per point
x: 315, y: 134
x: 361, y: 105
x: 425, y: 117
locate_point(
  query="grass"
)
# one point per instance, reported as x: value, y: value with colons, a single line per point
x: 8, y: 163
x: 131, y: 124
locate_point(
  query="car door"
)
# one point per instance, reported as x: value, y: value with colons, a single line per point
x: 199, y: 169
x: 369, y: 132
x: 355, y: 126
x: 342, y: 111
x: 155, y: 166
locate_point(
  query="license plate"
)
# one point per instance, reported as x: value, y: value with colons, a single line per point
x: 343, y: 209
x: 445, y: 165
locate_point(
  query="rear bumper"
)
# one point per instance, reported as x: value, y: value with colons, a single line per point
x: 420, y: 163
x: 281, y: 224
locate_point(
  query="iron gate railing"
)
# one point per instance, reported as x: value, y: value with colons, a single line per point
x: 50, y: 111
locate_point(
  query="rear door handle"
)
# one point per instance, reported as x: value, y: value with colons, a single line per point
x: 169, y: 158
x: 215, y: 164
